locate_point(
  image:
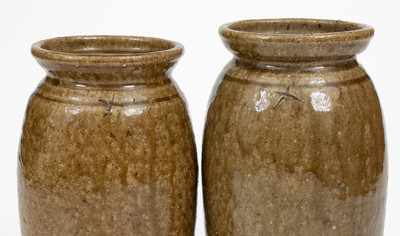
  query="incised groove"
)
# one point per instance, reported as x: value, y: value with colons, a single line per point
x: 328, y: 84
x: 101, y: 102
x: 284, y: 95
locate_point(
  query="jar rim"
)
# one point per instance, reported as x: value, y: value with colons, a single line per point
x: 295, y: 39
x: 295, y: 30
x: 106, y: 49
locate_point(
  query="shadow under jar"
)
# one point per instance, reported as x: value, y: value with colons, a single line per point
x: 107, y: 145
x: 294, y: 141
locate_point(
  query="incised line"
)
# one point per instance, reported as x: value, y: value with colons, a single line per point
x: 110, y: 104
x: 284, y: 95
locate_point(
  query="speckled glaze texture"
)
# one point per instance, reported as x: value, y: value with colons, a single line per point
x: 294, y: 141
x: 107, y: 145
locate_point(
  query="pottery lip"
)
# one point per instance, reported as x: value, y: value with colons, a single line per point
x: 295, y: 38
x: 352, y: 31
x: 110, y: 50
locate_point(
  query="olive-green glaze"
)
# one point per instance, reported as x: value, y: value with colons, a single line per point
x: 294, y: 142
x: 107, y: 146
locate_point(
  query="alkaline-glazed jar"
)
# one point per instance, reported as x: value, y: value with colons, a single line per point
x: 107, y: 145
x: 294, y: 141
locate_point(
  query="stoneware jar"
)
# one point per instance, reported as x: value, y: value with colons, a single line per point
x: 107, y: 145
x: 294, y: 142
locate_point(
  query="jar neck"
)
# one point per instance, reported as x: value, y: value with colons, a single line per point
x: 103, y: 75
x: 310, y: 64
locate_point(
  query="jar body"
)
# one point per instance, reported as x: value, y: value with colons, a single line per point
x: 107, y: 161
x: 294, y: 152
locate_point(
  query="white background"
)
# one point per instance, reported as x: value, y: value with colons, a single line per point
x: 195, y: 25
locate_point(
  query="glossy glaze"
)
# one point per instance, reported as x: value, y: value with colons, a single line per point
x: 294, y: 140
x: 107, y: 146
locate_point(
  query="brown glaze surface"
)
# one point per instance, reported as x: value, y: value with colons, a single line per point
x: 294, y: 140
x: 107, y: 145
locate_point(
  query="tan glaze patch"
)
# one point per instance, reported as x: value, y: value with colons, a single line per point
x: 294, y: 144
x: 111, y: 153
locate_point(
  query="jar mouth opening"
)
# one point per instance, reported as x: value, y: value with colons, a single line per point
x: 292, y: 29
x: 107, y: 49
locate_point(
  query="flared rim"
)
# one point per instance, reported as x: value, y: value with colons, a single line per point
x: 295, y: 30
x: 110, y: 49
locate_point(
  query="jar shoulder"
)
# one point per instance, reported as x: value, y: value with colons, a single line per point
x: 95, y: 119
x: 92, y: 134
x: 331, y: 75
x: 316, y: 88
